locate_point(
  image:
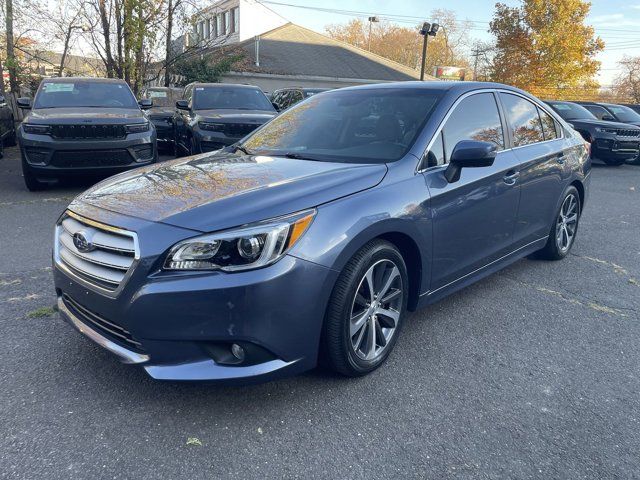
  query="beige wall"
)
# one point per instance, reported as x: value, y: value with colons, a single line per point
x: 269, y: 83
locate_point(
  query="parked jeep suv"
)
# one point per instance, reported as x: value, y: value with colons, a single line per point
x: 612, y: 142
x: 212, y: 116
x: 162, y: 112
x: 83, y: 125
x: 285, y: 97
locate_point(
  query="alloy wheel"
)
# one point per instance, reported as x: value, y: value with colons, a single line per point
x: 567, y: 223
x: 375, y: 310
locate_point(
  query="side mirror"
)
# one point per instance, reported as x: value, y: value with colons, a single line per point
x: 608, y: 118
x: 24, y: 103
x: 469, y: 154
x: 145, y: 103
x: 276, y: 106
x: 182, y: 105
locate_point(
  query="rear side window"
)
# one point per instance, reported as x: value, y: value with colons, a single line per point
x: 523, y: 120
x: 598, y: 111
x: 549, y: 127
x: 475, y: 118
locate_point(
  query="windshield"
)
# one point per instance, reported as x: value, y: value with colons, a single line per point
x: 163, y: 97
x: 624, y: 114
x: 572, y: 111
x: 361, y: 126
x: 84, y: 94
x: 310, y: 92
x: 230, y: 98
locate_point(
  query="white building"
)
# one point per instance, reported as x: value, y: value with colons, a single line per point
x: 233, y: 21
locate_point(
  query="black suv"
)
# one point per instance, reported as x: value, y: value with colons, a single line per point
x: 612, y: 142
x: 612, y: 113
x: 162, y: 113
x: 211, y: 116
x: 285, y: 97
x: 83, y: 125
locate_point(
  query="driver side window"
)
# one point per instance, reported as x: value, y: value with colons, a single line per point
x: 474, y: 118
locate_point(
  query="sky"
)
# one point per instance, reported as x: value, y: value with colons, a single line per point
x: 617, y: 22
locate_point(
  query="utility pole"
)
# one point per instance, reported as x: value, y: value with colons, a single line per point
x: 427, y: 30
x: 477, y: 52
x: 372, y: 20
x: 11, y: 58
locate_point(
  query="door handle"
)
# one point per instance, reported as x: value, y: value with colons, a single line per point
x: 511, y: 177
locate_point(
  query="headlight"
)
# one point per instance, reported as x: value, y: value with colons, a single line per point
x: 37, y: 129
x: 213, y: 127
x: 138, y: 127
x: 244, y: 248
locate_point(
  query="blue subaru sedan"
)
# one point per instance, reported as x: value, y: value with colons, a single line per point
x: 309, y: 240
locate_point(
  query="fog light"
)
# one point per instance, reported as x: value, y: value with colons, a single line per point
x: 237, y: 351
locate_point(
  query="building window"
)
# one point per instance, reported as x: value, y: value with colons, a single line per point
x: 214, y: 27
x: 221, y: 24
x: 235, y: 20
x: 207, y: 28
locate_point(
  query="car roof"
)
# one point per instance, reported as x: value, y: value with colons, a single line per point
x: 82, y: 80
x: 453, y: 86
x: 222, y: 85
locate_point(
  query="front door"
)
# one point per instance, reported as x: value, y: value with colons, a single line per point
x: 474, y: 217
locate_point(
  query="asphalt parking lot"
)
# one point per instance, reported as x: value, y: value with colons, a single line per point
x: 532, y: 373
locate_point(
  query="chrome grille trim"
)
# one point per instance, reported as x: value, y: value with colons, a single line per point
x: 106, y: 267
x: 95, y: 320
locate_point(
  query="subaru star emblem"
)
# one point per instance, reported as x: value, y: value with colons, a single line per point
x: 82, y: 242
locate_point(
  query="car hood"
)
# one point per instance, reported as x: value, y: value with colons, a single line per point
x: 600, y: 123
x: 213, y: 192
x: 164, y: 111
x: 85, y: 115
x: 244, y: 116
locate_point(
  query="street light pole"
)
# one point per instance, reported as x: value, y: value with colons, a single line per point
x: 372, y: 20
x: 427, y: 30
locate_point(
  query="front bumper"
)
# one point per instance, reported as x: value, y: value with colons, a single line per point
x: 615, y: 148
x: 48, y: 157
x: 206, y: 141
x: 175, y: 318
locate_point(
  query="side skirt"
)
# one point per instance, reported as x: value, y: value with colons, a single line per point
x: 430, y: 297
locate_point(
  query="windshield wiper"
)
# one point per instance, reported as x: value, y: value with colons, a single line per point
x: 299, y: 156
x: 242, y: 149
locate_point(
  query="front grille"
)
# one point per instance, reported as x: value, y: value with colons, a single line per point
x: 239, y: 129
x: 88, y: 132
x: 91, y: 158
x: 623, y: 132
x: 109, y: 328
x: 105, y: 260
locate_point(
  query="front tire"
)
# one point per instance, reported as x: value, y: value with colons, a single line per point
x: 565, y: 227
x: 613, y: 162
x: 366, y: 310
x: 31, y: 182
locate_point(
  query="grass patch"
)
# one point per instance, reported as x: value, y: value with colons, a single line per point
x: 41, y: 312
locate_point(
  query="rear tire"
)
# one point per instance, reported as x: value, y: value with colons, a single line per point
x: 564, y: 228
x: 366, y: 310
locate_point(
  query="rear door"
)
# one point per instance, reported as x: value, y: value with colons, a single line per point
x: 474, y: 217
x: 538, y: 144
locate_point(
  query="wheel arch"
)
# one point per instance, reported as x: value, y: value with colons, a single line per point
x: 400, y: 235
